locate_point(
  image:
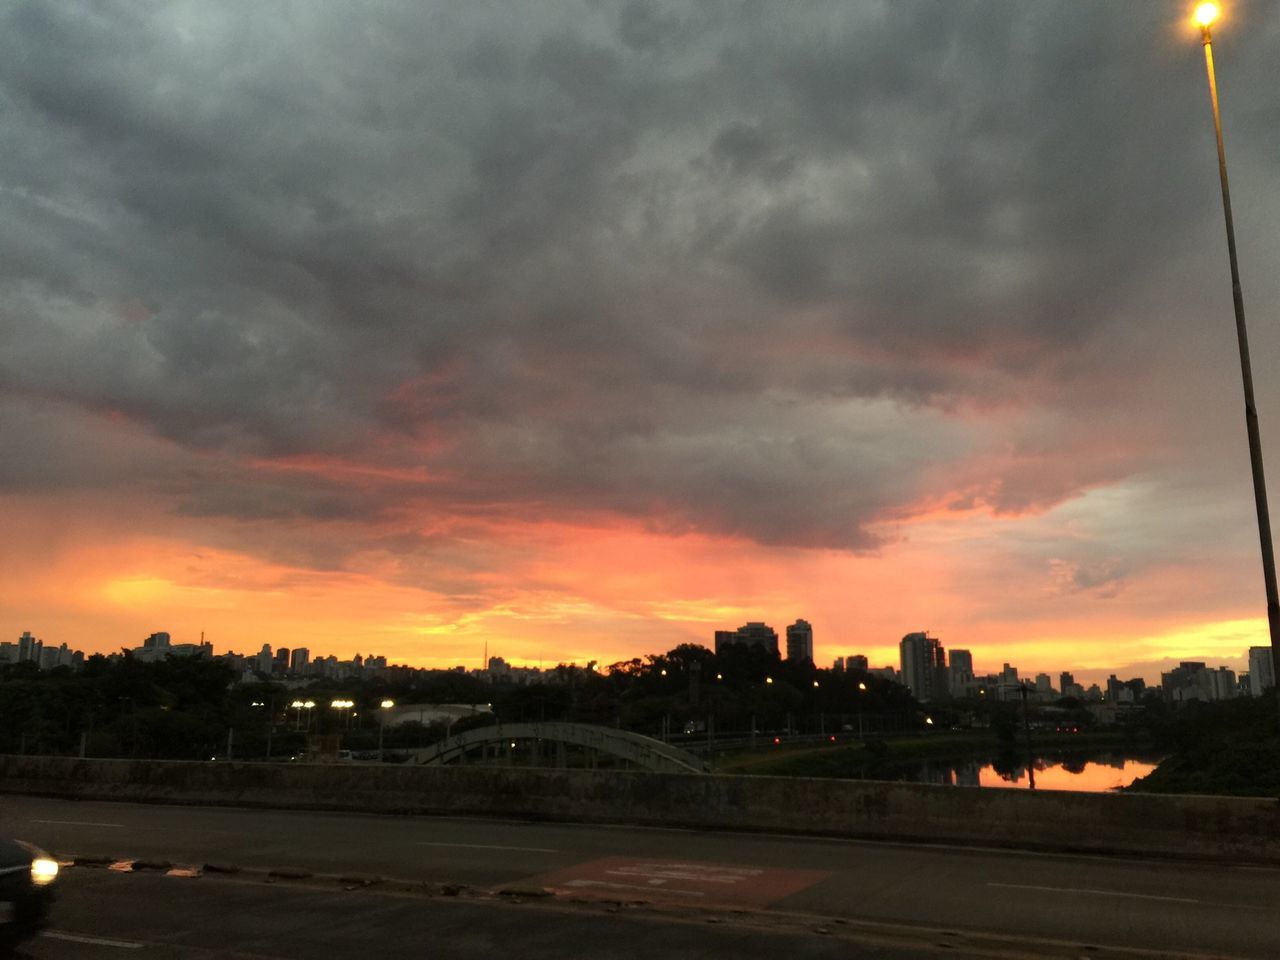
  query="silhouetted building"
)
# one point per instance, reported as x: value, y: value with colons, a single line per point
x: 1187, y: 681
x: 28, y: 647
x: 154, y: 648
x: 299, y: 660
x: 1223, y: 683
x: 754, y: 634
x: 855, y: 661
x: 960, y: 672
x: 800, y: 641
x: 1262, y: 673
x: 924, y: 666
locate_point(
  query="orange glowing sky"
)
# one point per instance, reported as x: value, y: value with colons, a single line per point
x: 582, y: 336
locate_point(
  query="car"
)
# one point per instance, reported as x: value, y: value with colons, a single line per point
x: 28, y: 881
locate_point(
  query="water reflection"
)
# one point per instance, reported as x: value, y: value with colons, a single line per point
x: 1091, y: 774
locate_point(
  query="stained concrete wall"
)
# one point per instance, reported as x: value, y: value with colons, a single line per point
x: 1233, y: 828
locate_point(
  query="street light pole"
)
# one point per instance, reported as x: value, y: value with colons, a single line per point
x: 1205, y: 14
x: 382, y: 725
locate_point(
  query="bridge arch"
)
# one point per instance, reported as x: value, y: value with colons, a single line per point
x: 645, y: 752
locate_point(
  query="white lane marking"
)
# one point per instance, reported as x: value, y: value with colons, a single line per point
x: 79, y: 823
x: 95, y: 941
x: 486, y: 846
x: 1096, y: 893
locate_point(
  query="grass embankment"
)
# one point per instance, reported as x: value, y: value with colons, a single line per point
x: 882, y: 758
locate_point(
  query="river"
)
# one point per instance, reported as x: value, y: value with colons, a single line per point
x: 1093, y: 773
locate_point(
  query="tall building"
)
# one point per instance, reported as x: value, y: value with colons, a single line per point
x: 1187, y: 681
x: 800, y: 641
x: 299, y: 659
x: 855, y: 661
x: 754, y: 634
x: 1113, y: 688
x: 1066, y: 681
x: 1262, y: 674
x: 961, y: 664
x: 1222, y: 683
x: 924, y: 666
x: 28, y: 647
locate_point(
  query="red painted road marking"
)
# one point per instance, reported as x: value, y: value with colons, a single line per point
x: 688, y: 880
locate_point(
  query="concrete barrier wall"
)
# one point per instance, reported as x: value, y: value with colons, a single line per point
x: 1215, y: 828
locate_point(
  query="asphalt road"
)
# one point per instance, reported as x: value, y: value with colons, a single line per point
x: 1041, y: 900
x: 110, y: 916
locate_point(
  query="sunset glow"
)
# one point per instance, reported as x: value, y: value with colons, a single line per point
x: 583, y: 334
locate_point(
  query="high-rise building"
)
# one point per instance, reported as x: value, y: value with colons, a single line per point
x: 924, y: 666
x: 1044, y: 685
x: 1222, y: 683
x: 1262, y: 674
x: 28, y: 647
x: 1066, y: 682
x: 838, y: 665
x: 961, y: 664
x: 299, y: 659
x: 800, y: 641
x: 855, y: 661
x: 1113, y: 688
x: 754, y: 634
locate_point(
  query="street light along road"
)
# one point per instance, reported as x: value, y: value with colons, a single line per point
x: 1204, y: 16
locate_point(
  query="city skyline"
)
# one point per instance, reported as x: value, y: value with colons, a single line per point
x: 877, y: 658
x: 586, y: 331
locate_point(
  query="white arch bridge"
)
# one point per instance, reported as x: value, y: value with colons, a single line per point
x: 503, y: 742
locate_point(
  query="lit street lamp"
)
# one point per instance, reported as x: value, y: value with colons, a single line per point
x: 1204, y: 16
x: 299, y: 706
x: 862, y: 688
x: 344, y: 705
x: 382, y: 723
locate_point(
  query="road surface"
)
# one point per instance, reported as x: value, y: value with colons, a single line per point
x: 1042, y: 901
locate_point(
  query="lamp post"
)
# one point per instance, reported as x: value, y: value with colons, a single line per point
x: 344, y: 705
x: 1205, y: 14
x: 299, y: 706
x: 382, y: 723
x: 862, y: 688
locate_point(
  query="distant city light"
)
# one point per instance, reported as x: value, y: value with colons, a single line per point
x: 388, y: 704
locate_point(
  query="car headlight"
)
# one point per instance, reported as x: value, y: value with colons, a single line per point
x: 43, y: 871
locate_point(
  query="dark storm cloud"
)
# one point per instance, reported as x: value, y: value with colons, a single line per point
x: 740, y: 267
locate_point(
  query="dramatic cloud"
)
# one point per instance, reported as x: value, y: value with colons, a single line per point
x: 389, y: 292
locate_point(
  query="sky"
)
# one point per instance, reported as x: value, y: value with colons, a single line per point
x: 580, y: 329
